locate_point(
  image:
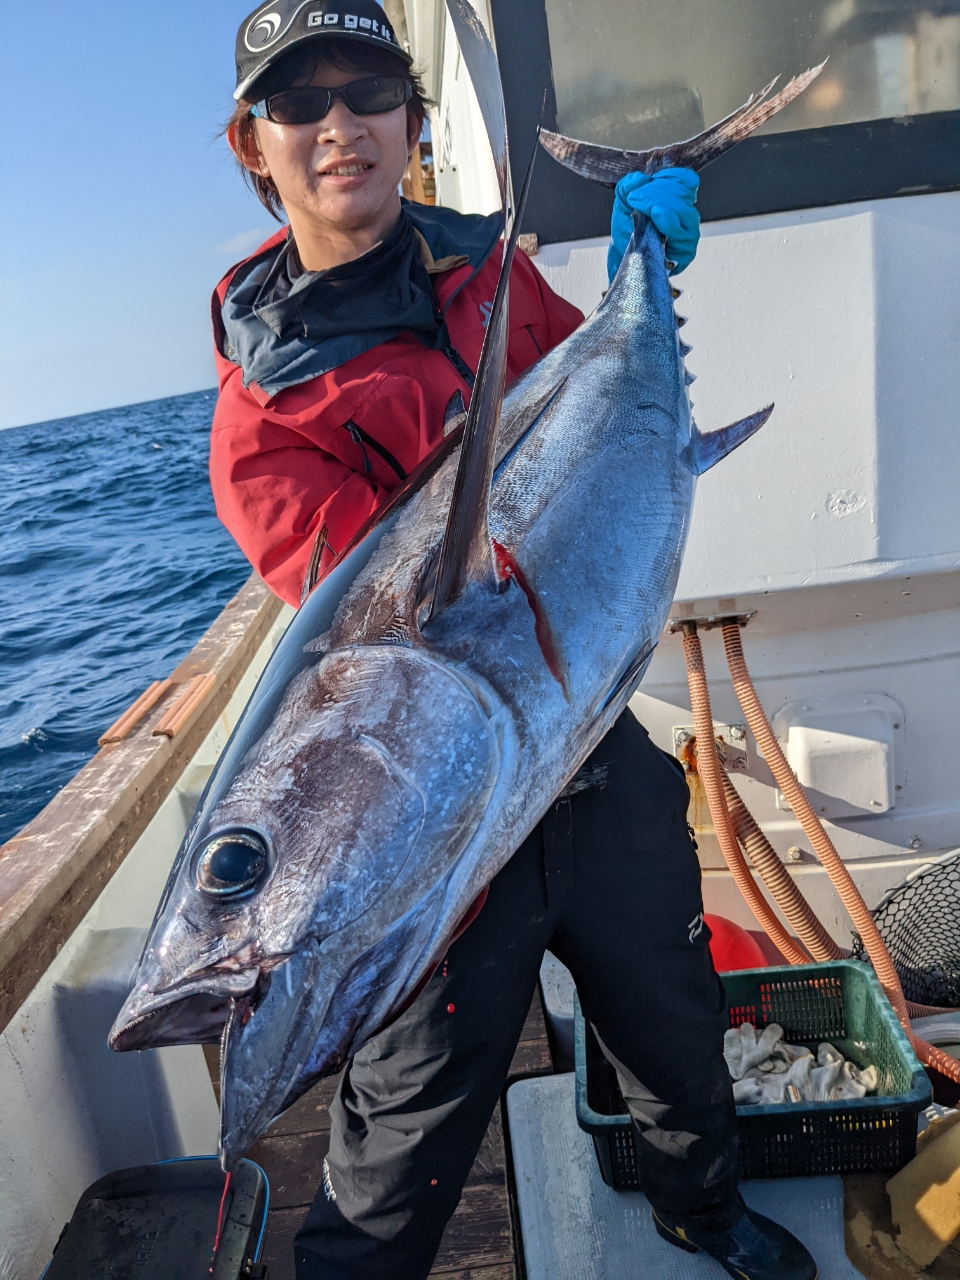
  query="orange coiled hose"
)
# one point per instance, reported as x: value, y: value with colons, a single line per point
x: 823, y: 847
x: 797, y: 911
x: 787, y: 896
x: 709, y: 768
x: 793, y: 904
x: 926, y: 1010
x: 761, y: 853
x: 789, y: 899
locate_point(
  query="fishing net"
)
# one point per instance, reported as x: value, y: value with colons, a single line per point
x: 919, y: 921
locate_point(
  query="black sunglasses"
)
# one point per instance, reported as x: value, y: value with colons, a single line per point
x: 367, y: 97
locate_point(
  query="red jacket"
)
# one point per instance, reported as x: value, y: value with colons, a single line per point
x: 330, y: 450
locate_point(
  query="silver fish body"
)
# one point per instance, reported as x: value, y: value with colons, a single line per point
x: 391, y: 770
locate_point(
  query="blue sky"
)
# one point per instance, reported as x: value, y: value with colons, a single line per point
x: 121, y: 205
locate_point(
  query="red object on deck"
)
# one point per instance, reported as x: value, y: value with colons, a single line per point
x: 221, y: 1219
x: 732, y: 947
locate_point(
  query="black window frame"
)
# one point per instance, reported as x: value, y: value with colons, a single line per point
x: 802, y: 169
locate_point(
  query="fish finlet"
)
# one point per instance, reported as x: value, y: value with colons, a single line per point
x: 681, y: 320
x: 685, y: 348
x: 689, y: 378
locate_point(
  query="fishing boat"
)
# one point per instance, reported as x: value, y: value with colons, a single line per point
x: 828, y: 282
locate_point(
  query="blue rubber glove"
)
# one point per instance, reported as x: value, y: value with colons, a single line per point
x: 668, y: 198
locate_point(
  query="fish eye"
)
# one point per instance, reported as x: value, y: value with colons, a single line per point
x: 232, y: 863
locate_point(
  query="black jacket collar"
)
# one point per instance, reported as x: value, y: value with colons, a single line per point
x: 284, y: 326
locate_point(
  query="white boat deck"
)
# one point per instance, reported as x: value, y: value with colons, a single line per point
x: 574, y: 1227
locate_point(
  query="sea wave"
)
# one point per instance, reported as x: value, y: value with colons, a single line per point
x: 112, y: 564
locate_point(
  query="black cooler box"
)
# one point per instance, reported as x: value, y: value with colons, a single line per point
x: 159, y: 1222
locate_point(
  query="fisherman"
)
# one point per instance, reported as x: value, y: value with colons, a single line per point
x: 344, y: 346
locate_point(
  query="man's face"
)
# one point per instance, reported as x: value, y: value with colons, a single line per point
x: 343, y: 171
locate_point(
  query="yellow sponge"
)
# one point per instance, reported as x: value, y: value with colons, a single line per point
x: 925, y: 1198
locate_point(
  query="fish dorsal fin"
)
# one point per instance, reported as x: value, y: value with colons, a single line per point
x: 607, y: 165
x: 466, y: 554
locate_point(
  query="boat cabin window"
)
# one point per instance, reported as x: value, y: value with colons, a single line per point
x: 882, y: 119
x: 644, y: 74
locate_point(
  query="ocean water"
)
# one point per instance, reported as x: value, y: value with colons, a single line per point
x: 112, y: 564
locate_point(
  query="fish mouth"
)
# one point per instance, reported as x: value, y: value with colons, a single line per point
x: 198, y: 1019
x: 191, y: 1012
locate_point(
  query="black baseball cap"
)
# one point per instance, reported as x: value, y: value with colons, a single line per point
x: 274, y: 29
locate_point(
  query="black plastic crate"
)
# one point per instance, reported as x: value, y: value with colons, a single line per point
x: 157, y: 1221
x: 839, y: 1001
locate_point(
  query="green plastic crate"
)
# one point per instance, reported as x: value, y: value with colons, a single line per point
x: 840, y: 1001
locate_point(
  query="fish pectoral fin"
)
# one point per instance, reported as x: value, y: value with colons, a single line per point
x: 704, y: 451
x: 466, y: 554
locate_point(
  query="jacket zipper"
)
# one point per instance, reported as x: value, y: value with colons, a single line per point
x: 361, y: 438
x: 313, y: 564
x: 458, y: 362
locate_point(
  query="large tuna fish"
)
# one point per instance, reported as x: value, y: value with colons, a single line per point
x: 441, y: 685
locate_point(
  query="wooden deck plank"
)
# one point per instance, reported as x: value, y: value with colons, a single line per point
x: 478, y: 1238
x: 479, y: 1234
x: 294, y: 1166
x: 489, y: 1168
x: 531, y: 1058
x: 311, y: 1113
x: 505, y: 1272
x: 278, y: 1246
x: 534, y: 1028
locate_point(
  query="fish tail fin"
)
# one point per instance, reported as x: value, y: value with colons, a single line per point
x: 466, y: 553
x: 607, y: 165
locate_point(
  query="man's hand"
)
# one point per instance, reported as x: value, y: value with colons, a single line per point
x: 668, y: 198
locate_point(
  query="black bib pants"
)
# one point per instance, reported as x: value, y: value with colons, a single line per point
x: 609, y: 881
